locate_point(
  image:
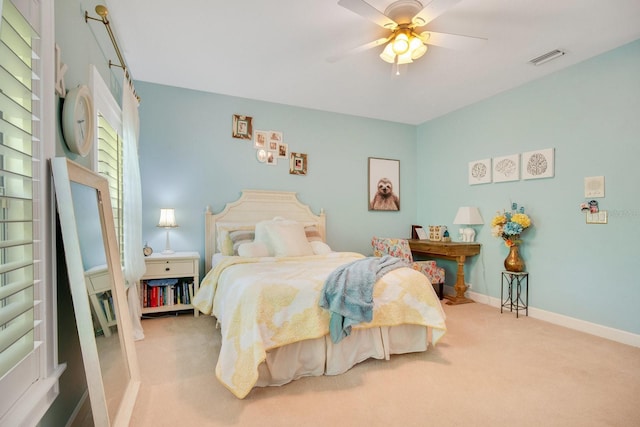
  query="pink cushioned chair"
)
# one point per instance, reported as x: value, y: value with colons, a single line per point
x: 400, y: 248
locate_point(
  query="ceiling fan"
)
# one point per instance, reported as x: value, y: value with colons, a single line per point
x: 404, y: 19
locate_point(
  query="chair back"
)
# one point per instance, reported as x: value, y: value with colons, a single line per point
x: 391, y: 246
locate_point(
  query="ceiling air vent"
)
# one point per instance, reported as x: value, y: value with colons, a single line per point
x: 556, y: 53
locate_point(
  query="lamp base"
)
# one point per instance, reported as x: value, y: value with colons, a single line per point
x: 168, y: 252
x: 468, y: 235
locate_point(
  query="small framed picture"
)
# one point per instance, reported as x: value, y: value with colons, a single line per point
x: 384, y: 185
x: 260, y: 139
x: 275, y: 137
x: 480, y: 172
x: 271, y: 158
x: 242, y: 128
x: 283, y: 151
x: 506, y: 168
x: 537, y: 164
x: 298, y: 164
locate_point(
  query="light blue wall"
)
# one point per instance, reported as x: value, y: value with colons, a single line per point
x: 590, y: 114
x: 189, y: 160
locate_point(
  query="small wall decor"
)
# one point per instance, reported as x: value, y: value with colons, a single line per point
x: 242, y: 127
x: 260, y: 139
x: 298, y: 164
x: 594, y: 186
x: 275, y: 137
x: 537, y: 164
x: 283, y: 150
x: 384, y: 185
x: 480, y: 172
x: 506, y: 168
x: 271, y: 158
x: 261, y: 154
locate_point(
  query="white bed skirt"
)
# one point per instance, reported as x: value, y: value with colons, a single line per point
x: 321, y: 356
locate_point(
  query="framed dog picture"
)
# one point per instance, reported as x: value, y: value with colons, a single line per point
x: 384, y: 185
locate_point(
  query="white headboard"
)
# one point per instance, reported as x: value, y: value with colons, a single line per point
x: 258, y: 205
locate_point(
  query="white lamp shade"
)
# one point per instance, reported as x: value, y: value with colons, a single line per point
x: 468, y: 215
x: 167, y: 218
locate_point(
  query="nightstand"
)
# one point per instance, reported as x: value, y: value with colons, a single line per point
x: 98, y: 282
x: 170, y: 282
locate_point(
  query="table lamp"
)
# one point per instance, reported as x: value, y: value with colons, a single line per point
x: 167, y: 221
x: 468, y: 215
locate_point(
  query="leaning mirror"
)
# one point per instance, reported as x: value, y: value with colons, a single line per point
x: 98, y: 292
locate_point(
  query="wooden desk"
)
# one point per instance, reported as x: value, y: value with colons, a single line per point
x: 453, y: 251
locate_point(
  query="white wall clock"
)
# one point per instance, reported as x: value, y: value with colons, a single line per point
x: 77, y: 120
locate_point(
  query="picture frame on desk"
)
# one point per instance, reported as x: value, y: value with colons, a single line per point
x: 422, y: 235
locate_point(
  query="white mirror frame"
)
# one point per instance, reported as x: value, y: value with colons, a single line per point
x: 64, y: 173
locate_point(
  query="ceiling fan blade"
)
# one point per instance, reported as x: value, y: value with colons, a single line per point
x: 359, y: 49
x: 452, y: 41
x: 432, y: 11
x: 369, y: 12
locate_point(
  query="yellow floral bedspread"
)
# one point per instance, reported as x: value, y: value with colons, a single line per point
x: 265, y: 303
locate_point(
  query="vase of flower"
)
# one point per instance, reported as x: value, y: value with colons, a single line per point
x: 514, y: 262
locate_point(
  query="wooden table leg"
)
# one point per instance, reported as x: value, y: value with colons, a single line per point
x: 460, y: 286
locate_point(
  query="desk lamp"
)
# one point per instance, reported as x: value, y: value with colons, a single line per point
x: 468, y: 215
x: 167, y: 221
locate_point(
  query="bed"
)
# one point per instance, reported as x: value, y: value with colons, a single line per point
x: 264, y: 287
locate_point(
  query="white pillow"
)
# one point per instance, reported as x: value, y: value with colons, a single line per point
x: 261, y: 235
x: 287, y: 238
x: 320, y: 248
x: 253, y: 250
x: 223, y: 239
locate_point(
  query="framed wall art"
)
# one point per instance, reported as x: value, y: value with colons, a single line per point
x: 480, y: 172
x: 506, y: 168
x: 384, y: 185
x: 538, y: 164
x: 283, y: 151
x: 298, y: 164
x: 260, y: 139
x: 242, y: 127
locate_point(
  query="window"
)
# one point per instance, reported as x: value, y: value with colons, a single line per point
x: 110, y: 166
x: 109, y: 148
x: 28, y: 366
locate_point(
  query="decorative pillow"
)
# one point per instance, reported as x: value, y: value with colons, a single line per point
x: 224, y: 242
x: 283, y: 238
x: 261, y: 235
x: 320, y: 248
x: 312, y: 233
x: 238, y: 237
x: 253, y: 250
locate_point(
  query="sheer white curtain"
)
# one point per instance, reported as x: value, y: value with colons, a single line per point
x: 134, y: 266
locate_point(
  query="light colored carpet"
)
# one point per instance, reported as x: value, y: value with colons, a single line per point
x: 490, y: 369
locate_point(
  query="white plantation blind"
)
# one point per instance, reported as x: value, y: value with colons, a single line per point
x: 18, y: 82
x: 110, y: 166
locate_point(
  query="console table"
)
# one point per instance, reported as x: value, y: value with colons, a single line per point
x: 452, y: 251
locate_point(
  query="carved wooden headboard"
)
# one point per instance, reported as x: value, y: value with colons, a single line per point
x: 258, y: 205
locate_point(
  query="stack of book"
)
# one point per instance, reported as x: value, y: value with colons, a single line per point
x: 166, y: 292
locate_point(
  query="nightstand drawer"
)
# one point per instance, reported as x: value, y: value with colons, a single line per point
x: 172, y: 268
x: 98, y: 280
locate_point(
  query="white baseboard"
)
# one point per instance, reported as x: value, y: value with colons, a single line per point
x: 601, y: 331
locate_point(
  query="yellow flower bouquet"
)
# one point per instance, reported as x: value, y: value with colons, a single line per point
x: 509, y: 225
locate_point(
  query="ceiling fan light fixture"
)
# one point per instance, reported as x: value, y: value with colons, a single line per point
x: 387, y: 54
x: 400, y: 43
x: 416, y: 47
x: 405, y: 58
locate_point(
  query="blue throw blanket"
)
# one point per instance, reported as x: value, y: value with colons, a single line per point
x: 348, y: 292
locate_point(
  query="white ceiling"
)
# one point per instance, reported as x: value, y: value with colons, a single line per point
x: 277, y: 50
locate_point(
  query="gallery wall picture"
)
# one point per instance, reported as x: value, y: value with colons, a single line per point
x: 506, y: 168
x: 384, y: 184
x: 298, y: 164
x: 538, y: 164
x: 242, y: 127
x: 480, y: 172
